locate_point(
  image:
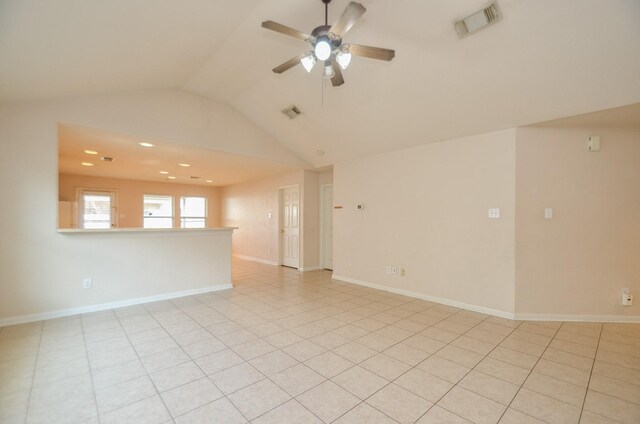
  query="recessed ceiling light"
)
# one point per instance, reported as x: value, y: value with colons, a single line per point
x: 164, y: 172
x: 209, y: 181
x: 184, y: 164
x: 171, y: 178
x: 91, y: 152
x: 87, y: 164
x: 144, y: 144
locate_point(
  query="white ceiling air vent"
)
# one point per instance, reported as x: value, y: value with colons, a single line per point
x: 478, y: 20
x: 292, y: 111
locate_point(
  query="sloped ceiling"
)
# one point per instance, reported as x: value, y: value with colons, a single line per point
x: 546, y: 59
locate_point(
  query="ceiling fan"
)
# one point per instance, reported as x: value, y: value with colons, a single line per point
x: 327, y: 44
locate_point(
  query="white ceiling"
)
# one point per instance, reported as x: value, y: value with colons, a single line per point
x: 545, y: 60
x: 619, y: 117
x: 134, y: 162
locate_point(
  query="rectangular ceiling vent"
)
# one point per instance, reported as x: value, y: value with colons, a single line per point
x: 292, y: 112
x: 478, y: 20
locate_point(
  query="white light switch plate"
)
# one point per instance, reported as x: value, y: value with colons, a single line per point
x: 548, y: 213
x: 494, y: 213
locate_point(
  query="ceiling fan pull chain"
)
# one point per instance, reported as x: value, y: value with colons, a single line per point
x: 326, y: 13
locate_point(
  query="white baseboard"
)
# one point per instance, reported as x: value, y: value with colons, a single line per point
x: 495, y: 312
x: 22, y: 319
x: 422, y: 296
x: 309, y: 268
x: 264, y: 261
x: 251, y: 258
x: 578, y: 318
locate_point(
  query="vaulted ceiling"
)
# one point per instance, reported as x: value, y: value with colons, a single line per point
x: 546, y: 59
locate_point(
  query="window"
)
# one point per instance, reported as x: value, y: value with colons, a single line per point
x: 96, y: 209
x: 193, y: 212
x: 158, y: 211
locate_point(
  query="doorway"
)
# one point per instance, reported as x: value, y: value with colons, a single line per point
x: 326, y: 226
x: 290, y: 226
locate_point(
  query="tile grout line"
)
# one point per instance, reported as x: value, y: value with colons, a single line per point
x: 530, y: 372
x: 412, y: 367
x: 181, y: 385
x: 93, y: 386
x: 145, y: 369
x: 330, y: 350
x: 408, y: 317
x: 292, y: 398
x: 390, y: 381
x: 35, y: 370
x: 467, y: 373
x: 586, y: 392
x: 244, y: 361
x: 430, y: 355
x: 225, y: 395
x: 321, y: 302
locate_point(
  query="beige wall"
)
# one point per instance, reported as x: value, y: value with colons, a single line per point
x: 577, y: 262
x: 248, y: 205
x: 253, y: 208
x: 130, y: 194
x: 325, y: 177
x: 41, y: 269
x: 426, y: 211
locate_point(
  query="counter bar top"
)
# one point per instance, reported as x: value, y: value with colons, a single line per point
x: 144, y: 230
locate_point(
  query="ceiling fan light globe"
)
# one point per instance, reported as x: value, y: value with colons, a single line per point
x: 322, y: 49
x: 343, y: 59
x: 308, y: 62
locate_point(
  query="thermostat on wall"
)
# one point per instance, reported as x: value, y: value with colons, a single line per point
x: 360, y: 207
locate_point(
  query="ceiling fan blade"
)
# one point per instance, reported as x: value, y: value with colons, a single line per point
x: 351, y: 14
x: 289, y: 64
x: 283, y: 29
x: 371, y: 52
x: 337, y: 80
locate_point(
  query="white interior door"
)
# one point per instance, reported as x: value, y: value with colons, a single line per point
x: 327, y: 226
x: 290, y: 227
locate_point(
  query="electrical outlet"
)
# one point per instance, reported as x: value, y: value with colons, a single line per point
x: 394, y: 270
x: 87, y: 283
x: 388, y: 269
x: 403, y: 272
x: 493, y: 213
x: 627, y: 298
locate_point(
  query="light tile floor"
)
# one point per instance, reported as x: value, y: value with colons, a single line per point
x: 290, y: 347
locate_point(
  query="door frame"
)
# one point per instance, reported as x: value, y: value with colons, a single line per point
x: 279, y: 226
x: 322, y: 216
